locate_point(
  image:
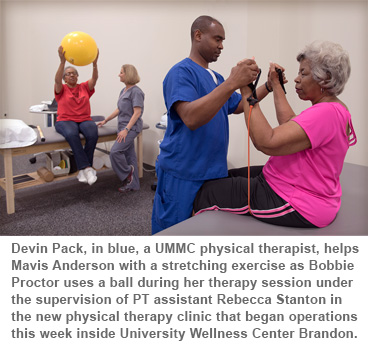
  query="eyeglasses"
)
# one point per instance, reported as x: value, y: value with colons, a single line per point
x: 71, y: 73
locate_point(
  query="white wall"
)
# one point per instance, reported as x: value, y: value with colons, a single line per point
x: 154, y: 35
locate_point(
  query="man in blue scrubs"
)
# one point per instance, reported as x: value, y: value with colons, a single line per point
x: 198, y: 102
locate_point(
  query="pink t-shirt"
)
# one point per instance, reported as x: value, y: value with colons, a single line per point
x: 73, y: 103
x: 310, y: 180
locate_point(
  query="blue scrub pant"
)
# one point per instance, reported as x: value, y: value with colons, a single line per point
x: 173, y: 202
x: 71, y: 130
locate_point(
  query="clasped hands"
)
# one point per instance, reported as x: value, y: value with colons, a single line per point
x: 246, y: 72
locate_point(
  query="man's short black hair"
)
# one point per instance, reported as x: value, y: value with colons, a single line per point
x: 202, y: 23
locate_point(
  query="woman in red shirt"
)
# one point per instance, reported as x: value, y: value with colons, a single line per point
x: 74, y: 116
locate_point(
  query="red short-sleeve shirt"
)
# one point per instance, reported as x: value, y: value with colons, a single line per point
x: 73, y: 103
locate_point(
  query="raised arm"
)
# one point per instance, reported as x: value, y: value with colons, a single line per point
x: 92, y: 81
x: 285, y: 139
x: 59, y: 73
x: 284, y: 112
x: 199, y: 112
x: 262, y: 92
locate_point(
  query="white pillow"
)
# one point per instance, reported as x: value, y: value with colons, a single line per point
x: 16, y: 133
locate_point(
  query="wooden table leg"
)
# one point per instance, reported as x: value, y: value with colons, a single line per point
x: 140, y: 154
x: 9, y: 186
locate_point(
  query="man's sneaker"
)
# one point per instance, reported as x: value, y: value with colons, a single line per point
x: 90, y: 175
x: 81, y: 177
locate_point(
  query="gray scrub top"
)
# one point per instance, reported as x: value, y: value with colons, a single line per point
x: 133, y: 97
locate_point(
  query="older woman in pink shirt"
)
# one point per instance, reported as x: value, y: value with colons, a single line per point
x: 299, y: 185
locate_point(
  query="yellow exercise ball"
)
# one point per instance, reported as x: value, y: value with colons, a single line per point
x: 80, y: 48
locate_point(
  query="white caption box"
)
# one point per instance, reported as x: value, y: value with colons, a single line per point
x: 178, y: 293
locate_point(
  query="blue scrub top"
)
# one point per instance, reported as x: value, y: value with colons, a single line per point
x: 200, y: 154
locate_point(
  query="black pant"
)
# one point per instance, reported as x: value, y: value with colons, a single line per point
x: 231, y: 195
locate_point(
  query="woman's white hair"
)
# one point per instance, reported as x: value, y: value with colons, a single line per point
x: 330, y: 65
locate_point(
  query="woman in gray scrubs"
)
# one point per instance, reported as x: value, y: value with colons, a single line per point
x: 129, y: 111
